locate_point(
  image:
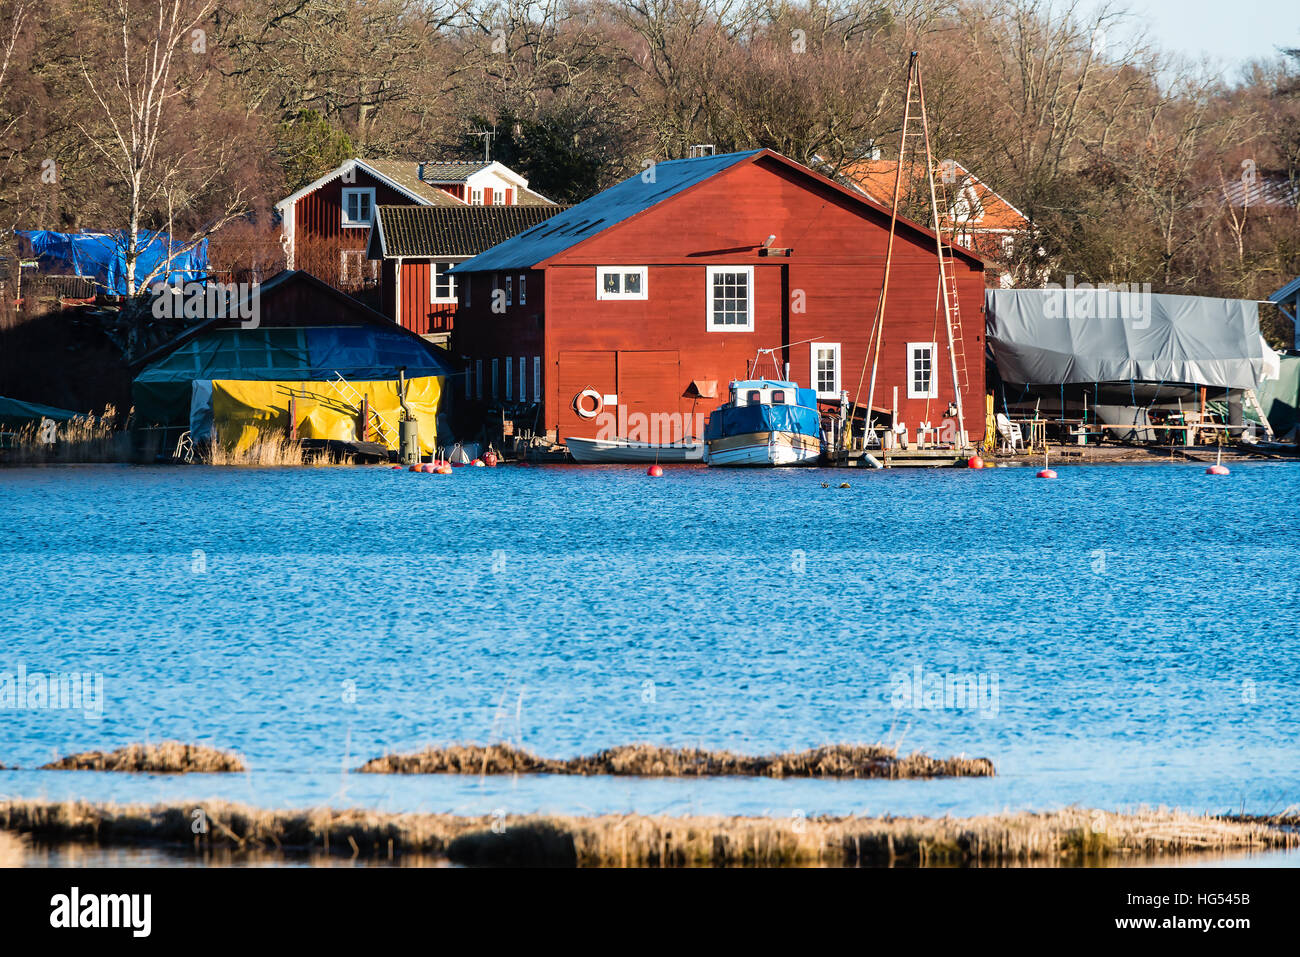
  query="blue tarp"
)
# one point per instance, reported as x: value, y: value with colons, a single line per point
x: 102, y: 257
x: 802, y: 417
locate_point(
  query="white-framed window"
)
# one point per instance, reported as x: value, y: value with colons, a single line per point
x: 469, y: 384
x: 478, y: 378
x: 621, y: 282
x: 523, y: 380
x: 476, y: 197
x: 498, y: 197
x: 442, y: 285
x: 496, y: 388
x: 510, y: 290
x: 523, y: 289
x: 1008, y: 245
x: 537, y: 378
x: 922, y: 383
x: 729, y: 294
x: 358, y: 206
x: 510, y: 364
x: 825, y: 373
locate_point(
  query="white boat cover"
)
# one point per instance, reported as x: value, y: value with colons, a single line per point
x: 1080, y: 335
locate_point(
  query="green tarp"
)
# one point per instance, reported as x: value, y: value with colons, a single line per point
x: 17, y: 414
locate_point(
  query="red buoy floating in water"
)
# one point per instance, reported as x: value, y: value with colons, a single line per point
x: 490, y: 458
x: 975, y: 462
x: 1217, y: 470
x: 443, y: 469
x: 1047, y: 473
x: 655, y: 471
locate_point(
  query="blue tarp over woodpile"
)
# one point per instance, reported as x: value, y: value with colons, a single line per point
x: 102, y: 257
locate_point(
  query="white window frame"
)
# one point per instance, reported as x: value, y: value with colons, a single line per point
x: 537, y: 378
x: 476, y: 197
x: 912, y: 349
x: 523, y: 289
x: 434, y: 271
x: 510, y: 290
x: 814, y: 377
x: 498, y: 197
x: 349, y: 191
x: 621, y: 271
x: 710, y: 273
x: 523, y: 380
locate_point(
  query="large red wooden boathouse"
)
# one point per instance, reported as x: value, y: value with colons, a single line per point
x: 628, y: 314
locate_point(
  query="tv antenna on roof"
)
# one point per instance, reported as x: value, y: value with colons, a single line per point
x: 488, y: 136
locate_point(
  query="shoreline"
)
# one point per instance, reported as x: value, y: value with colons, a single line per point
x: 1069, y: 837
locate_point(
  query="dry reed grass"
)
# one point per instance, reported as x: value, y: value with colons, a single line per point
x: 270, y: 448
x: 1069, y: 837
x: 89, y: 438
x: 647, y: 760
x: 167, y: 757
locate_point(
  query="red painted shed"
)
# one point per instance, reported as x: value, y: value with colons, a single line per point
x: 656, y: 293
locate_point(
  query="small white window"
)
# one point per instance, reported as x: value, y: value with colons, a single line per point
x: 825, y: 373
x: 478, y: 378
x: 921, y: 380
x: 358, y: 206
x: 537, y: 378
x: 496, y: 389
x: 498, y: 197
x: 442, y: 285
x: 730, y: 299
x: 523, y: 289
x: 510, y: 295
x: 1008, y: 245
x: 476, y: 197
x: 523, y: 379
x: 621, y: 282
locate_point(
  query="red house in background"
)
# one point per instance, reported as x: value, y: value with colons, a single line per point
x: 325, y: 225
x: 416, y: 247
x: 658, y: 292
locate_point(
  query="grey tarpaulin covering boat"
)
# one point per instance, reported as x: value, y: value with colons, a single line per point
x: 1084, y: 335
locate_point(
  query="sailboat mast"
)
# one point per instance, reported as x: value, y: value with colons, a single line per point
x: 943, y: 273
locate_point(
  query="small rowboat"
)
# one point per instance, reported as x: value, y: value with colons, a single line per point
x: 614, y: 451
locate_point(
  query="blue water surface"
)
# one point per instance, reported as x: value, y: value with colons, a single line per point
x: 1131, y: 632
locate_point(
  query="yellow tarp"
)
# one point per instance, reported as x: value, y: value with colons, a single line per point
x: 242, y: 409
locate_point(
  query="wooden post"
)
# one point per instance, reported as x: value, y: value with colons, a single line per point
x: 364, y: 434
x: 293, y: 418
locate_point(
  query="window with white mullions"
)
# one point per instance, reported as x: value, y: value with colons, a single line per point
x: 621, y: 282
x: 825, y: 373
x: 921, y: 381
x: 358, y: 205
x: 730, y: 294
x: 442, y: 285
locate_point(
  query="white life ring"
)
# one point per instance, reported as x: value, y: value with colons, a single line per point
x: 588, y: 394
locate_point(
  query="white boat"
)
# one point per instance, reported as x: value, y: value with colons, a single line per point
x: 614, y: 451
x: 766, y: 422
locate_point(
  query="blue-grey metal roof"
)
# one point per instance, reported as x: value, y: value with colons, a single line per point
x: 602, y: 211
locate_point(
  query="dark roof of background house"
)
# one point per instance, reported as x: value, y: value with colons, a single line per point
x: 432, y: 231
x: 451, y: 171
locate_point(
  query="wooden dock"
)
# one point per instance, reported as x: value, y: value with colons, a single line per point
x: 900, y: 458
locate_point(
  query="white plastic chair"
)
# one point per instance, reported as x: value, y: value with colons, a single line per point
x: 1010, y: 432
x: 925, y: 435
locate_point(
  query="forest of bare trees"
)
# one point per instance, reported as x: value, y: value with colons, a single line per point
x: 197, y: 115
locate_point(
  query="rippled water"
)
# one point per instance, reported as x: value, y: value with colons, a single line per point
x: 1133, y: 628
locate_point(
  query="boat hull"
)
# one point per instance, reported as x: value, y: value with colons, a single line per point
x: 624, y: 452
x: 764, y: 449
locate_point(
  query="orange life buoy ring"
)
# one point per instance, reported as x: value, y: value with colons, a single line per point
x: 579, y: 408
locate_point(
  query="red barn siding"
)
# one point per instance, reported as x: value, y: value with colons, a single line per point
x: 649, y: 351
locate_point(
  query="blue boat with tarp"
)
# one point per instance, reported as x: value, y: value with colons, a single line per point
x: 765, y: 422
